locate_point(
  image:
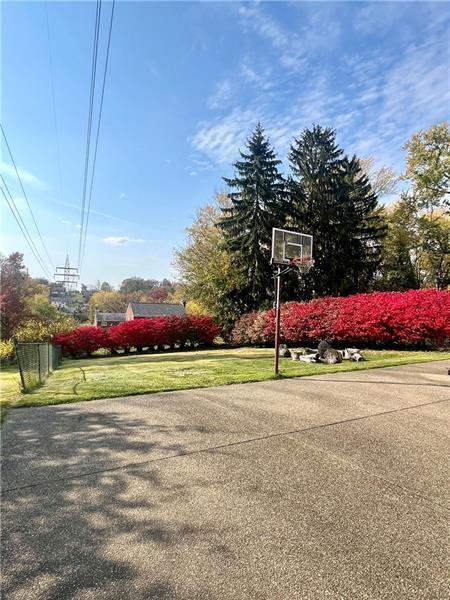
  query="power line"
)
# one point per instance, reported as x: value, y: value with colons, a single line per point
x: 23, y: 228
x: 98, y: 132
x: 89, y: 127
x: 55, y: 120
x: 26, y: 197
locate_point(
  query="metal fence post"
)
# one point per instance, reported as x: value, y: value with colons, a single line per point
x: 22, y: 379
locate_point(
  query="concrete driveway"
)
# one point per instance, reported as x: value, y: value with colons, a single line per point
x: 324, y: 487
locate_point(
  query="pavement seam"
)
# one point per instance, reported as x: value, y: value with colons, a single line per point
x: 211, y: 448
x: 371, y: 382
x: 356, y: 467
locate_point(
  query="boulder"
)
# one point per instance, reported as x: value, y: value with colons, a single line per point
x: 322, y: 348
x: 309, y: 358
x: 284, y: 351
x: 331, y: 356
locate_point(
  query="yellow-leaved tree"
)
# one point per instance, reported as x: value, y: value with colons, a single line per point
x: 207, y: 277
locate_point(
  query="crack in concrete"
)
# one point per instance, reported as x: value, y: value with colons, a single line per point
x: 217, y: 447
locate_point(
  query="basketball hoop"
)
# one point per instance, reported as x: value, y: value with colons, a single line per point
x: 290, y: 250
x: 302, y: 263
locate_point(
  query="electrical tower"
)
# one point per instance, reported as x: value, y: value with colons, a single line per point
x: 67, y: 275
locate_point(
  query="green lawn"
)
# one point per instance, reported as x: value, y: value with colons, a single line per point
x: 107, y: 377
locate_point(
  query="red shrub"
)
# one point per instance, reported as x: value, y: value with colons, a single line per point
x: 201, y: 329
x: 241, y: 331
x: 83, y: 340
x: 417, y: 318
x: 140, y: 333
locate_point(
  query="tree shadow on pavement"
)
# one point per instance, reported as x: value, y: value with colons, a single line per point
x: 72, y: 535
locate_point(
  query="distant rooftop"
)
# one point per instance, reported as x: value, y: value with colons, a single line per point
x: 110, y: 316
x: 153, y: 309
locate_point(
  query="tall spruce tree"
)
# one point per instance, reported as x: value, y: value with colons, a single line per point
x: 257, y: 205
x: 331, y: 198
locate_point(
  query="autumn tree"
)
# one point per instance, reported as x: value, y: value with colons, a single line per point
x: 14, y: 280
x: 107, y: 302
x: 434, y: 263
x: 401, y: 247
x: 416, y: 248
x: 208, y: 279
x: 383, y: 180
x: 137, y: 284
x: 428, y: 166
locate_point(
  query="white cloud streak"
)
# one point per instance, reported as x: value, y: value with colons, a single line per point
x: 375, y: 100
x: 123, y: 240
x: 27, y: 177
x: 287, y: 45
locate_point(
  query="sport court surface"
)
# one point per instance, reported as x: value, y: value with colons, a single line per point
x: 332, y: 486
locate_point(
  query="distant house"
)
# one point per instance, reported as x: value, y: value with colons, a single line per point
x: 106, y: 319
x: 148, y: 310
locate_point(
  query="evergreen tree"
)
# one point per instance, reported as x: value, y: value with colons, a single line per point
x: 331, y: 198
x: 257, y: 205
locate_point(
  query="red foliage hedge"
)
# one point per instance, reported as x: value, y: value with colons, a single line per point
x: 412, y: 319
x: 140, y: 333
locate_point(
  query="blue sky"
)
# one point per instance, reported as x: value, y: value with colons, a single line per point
x: 186, y: 84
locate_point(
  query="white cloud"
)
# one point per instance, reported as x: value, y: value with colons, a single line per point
x: 409, y: 93
x: 116, y: 241
x: 26, y: 176
x: 261, y: 79
x: 221, y: 95
x: 220, y: 139
x: 384, y: 97
x: 19, y: 201
x: 66, y: 222
x: 287, y: 45
x: 93, y: 211
x: 121, y: 240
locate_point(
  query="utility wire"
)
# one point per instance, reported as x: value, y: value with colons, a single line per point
x: 98, y: 133
x: 26, y: 197
x: 89, y: 127
x: 55, y: 120
x: 23, y: 228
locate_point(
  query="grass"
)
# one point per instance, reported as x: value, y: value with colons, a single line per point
x: 107, y: 377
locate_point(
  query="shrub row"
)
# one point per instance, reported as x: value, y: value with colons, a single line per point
x: 412, y: 319
x: 158, y: 332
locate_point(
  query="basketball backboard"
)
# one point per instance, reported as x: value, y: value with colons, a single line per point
x: 290, y: 246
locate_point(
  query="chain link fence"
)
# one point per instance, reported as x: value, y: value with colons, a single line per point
x: 36, y: 361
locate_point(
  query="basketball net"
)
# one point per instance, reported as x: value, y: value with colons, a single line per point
x: 303, y: 264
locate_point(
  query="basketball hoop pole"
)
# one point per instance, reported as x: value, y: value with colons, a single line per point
x: 277, y: 318
x: 290, y: 250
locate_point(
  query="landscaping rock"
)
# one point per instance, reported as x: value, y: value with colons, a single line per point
x: 322, y: 348
x: 331, y: 356
x: 309, y: 358
x: 284, y: 351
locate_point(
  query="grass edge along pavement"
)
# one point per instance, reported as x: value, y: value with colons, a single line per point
x: 109, y: 377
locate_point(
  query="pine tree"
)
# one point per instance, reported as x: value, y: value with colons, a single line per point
x: 257, y: 205
x: 331, y: 198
